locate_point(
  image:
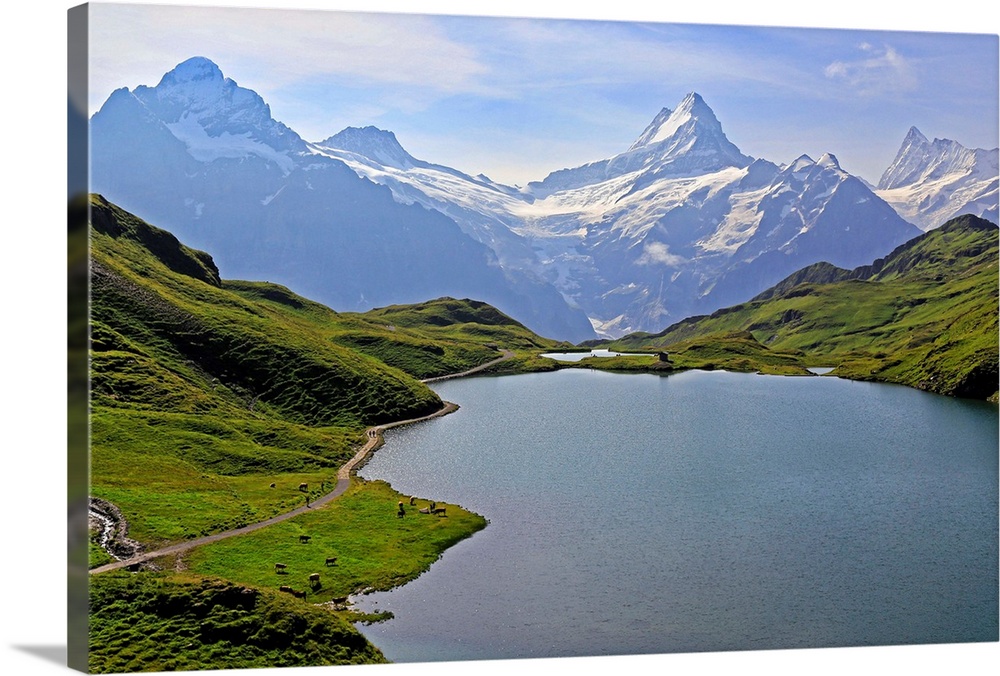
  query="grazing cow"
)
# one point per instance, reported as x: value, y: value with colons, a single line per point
x: 304, y: 539
x: 439, y: 511
x: 279, y: 567
x: 413, y: 500
x: 286, y: 589
x: 299, y: 594
x: 272, y: 485
x: 402, y: 512
x: 330, y: 560
x: 314, y: 578
x: 303, y: 487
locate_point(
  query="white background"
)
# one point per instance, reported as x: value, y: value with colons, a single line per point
x: 33, y: 391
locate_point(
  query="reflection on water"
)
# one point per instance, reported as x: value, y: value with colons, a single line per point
x: 578, y: 356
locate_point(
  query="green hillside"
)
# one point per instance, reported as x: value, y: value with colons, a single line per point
x: 159, y: 622
x: 205, y: 390
x: 437, y: 337
x: 923, y: 316
x: 202, y: 395
x: 211, y: 402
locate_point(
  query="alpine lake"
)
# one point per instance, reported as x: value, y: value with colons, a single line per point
x: 702, y: 511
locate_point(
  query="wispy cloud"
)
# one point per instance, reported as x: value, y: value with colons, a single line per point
x: 657, y: 253
x: 880, y: 71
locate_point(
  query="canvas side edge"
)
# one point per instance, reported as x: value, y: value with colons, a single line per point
x: 78, y: 335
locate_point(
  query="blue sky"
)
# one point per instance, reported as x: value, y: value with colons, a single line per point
x: 516, y: 98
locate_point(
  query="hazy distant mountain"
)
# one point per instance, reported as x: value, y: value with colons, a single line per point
x: 930, y: 182
x: 204, y: 158
x: 486, y: 211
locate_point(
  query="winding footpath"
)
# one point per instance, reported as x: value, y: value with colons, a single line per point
x: 373, y: 443
x: 505, y: 355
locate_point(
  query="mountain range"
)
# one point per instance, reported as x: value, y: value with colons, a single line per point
x: 679, y: 223
x: 925, y: 315
x: 204, y: 157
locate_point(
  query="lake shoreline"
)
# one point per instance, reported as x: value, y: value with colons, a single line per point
x: 622, y: 362
x: 431, y: 474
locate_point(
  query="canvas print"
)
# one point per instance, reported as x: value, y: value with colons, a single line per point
x: 422, y: 338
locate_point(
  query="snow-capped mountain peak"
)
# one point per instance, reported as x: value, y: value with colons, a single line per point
x: 196, y: 86
x: 829, y: 161
x: 801, y: 162
x: 195, y: 69
x: 913, y: 136
x: 930, y: 182
x: 692, y: 116
x: 687, y: 140
x: 374, y: 143
x: 919, y: 159
x: 214, y: 116
x: 804, y: 164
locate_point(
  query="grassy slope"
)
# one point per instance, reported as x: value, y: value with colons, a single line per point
x: 924, y: 316
x: 437, y: 337
x: 204, y: 393
x: 202, y: 397
x: 160, y: 622
x: 393, y: 551
x: 226, y: 610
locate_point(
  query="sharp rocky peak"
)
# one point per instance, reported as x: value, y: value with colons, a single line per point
x: 825, y: 161
x: 919, y: 159
x: 688, y: 139
x: 828, y: 160
x: 914, y: 137
x: 684, y: 141
x: 691, y: 117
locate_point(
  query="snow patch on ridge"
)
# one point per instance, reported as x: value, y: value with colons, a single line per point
x: 205, y: 148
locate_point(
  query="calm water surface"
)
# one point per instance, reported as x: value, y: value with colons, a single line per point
x: 580, y: 356
x: 701, y: 511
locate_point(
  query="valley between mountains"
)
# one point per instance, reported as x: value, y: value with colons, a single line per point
x: 218, y: 404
